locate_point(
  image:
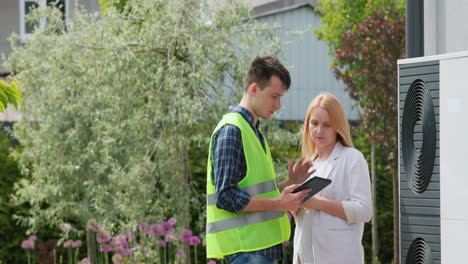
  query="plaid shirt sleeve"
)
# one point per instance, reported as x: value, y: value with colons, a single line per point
x: 229, y: 168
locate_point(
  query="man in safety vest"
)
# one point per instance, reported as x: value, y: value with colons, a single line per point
x: 246, y: 218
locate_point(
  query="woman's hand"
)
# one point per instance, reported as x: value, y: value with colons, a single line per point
x: 333, y: 207
x: 313, y: 203
x: 299, y: 172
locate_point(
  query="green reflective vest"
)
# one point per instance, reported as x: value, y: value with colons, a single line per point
x: 227, y: 232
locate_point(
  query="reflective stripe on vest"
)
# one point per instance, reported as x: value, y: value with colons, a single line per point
x: 243, y: 220
x: 253, y: 190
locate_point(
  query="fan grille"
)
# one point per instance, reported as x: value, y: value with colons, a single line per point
x: 418, y: 116
x: 419, y: 252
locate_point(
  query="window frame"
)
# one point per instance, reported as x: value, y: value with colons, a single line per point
x: 24, y: 36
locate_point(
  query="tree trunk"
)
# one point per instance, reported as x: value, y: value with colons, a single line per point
x: 375, y: 242
x: 186, y: 174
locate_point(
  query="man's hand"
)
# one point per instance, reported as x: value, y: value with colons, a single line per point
x: 288, y: 201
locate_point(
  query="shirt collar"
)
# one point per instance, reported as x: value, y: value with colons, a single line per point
x: 245, y: 114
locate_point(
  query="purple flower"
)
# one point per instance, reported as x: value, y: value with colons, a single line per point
x: 126, y: 252
x: 93, y: 225
x: 172, y: 221
x: 129, y: 235
x: 167, y: 228
x: 76, y: 244
x: 180, y: 252
x: 65, y: 227
x: 121, y: 241
x: 105, y: 248
x: 32, y: 238
x: 162, y: 243
x: 143, y: 227
x: 286, y: 243
x: 194, y: 240
x: 27, y: 244
x: 156, y: 230
x: 185, y: 235
x: 211, y: 262
x: 68, y: 244
x: 103, y: 237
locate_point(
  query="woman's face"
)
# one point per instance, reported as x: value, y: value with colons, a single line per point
x: 321, y: 130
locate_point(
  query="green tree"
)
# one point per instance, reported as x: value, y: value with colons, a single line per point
x: 343, y: 17
x: 9, y: 94
x: 367, y: 65
x: 112, y: 116
x: 10, y: 251
x: 339, y: 16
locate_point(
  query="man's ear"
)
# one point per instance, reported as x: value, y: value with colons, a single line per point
x: 253, y: 88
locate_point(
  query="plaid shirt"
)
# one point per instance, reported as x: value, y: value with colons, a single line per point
x: 229, y: 168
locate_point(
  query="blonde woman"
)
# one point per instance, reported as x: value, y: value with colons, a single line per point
x: 329, y: 226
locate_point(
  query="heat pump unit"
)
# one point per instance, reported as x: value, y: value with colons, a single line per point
x: 433, y: 156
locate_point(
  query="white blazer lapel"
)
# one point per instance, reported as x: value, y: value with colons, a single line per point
x: 334, y: 157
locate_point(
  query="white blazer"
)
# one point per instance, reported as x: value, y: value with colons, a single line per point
x: 322, y: 238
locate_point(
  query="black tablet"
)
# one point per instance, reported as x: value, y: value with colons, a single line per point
x: 316, y: 184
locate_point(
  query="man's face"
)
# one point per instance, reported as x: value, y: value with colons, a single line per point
x: 267, y: 101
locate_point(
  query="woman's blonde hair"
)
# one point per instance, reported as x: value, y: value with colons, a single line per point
x: 338, y: 121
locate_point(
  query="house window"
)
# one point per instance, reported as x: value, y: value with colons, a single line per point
x: 26, y: 28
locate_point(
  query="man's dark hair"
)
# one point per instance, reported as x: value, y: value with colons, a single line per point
x: 262, y: 68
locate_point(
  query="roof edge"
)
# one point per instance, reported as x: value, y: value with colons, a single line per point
x: 280, y: 6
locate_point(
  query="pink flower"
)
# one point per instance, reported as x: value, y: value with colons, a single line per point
x: 93, y: 225
x: 27, y: 244
x: 32, y: 238
x: 126, y: 252
x: 185, y: 235
x: 172, y: 221
x: 211, y: 262
x: 180, y: 252
x: 121, y: 240
x: 68, y: 244
x: 167, y: 228
x: 194, y: 240
x: 76, y: 244
x: 286, y: 243
x: 105, y: 248
x: 162, y: 243
x: 103, y: 237
x: 156, y: 230
x: 143, y: 227
x: 65, y: 227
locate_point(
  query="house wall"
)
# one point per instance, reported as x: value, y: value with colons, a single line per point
x: 9, y: 22
x: 308, y: 64
x: 444, y: 26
